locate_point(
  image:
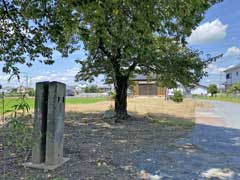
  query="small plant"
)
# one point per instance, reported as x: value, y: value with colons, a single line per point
x: 19, y: 134
x: 19, y: 128
x: 177, y: 96
x: 21, y: 107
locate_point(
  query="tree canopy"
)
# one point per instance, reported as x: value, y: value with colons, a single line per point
x: 121, y: 38
x: 212, y: 89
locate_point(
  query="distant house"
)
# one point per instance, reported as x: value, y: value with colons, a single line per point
x: 105, y: 88
x: 199, y: 90
x: 22, y: 89
x: 232, y: 76
x: 195, y: 89
x: 144, y: 87
x: 70, y: 91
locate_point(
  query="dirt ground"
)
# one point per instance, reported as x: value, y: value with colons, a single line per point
x: 101, y: 149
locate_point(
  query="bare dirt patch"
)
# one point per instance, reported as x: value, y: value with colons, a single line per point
x: 100, y: 149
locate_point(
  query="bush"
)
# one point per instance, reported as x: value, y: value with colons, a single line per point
x: 92, y: 89
x: 212, y: 89
x: 177, y: 96
x: 235, y: 89
x: 31, y: 92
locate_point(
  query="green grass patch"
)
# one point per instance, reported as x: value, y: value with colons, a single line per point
x: 85, y: 100
x: 174, y: 122
x: 220, y: 98
x: 9, y: 101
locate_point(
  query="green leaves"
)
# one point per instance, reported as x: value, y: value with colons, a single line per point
x: 122, y: 35
x: 235, y: 89
x: 21, y: 107
x: 212, y: 89
x: 121, y: 38
x: 22, y: 41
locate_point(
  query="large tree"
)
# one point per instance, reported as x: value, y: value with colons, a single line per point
x: 124, y: 37
x: 21, y: 42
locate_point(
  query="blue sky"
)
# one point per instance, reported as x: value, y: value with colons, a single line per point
x: 218, y: 33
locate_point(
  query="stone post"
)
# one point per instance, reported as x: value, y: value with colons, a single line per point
x: 55, y: 124
x: 48, y: 134
x: 40, y: 123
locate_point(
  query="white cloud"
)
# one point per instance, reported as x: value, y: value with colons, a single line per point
x: 213, y: 69
x: 66, y: 76
x: 208, y: 32
x: 232, y: 52
x: 4, y: 77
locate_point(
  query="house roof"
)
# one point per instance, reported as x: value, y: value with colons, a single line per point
x: 230, y: 68
x: 200, y: 85
x: 141, y: 77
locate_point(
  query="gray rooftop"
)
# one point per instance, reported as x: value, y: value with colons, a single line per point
x: 141, y: 77
x: 232, y: 68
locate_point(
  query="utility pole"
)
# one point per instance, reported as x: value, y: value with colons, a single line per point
x: 26, y: 78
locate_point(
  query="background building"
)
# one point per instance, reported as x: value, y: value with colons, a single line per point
x: 232, y: 76
x: 143, y: 87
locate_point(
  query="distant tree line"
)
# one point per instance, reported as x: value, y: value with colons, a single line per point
x: 92, y: 89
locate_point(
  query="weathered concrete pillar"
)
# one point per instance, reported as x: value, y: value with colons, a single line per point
x: 40, y: 123
x: 48, y: 134
x: 55, y: 123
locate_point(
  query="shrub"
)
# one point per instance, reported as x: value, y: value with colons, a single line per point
x: 212, y: 89
x: 31, y: 92
x: 235, y: 89
x: 92, y: 89
x: 177, y: 96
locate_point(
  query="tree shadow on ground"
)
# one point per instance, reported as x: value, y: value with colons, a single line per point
x: 101, y: 149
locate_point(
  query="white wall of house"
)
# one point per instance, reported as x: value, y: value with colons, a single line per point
x: 199, y: 91
x: 233, y: 76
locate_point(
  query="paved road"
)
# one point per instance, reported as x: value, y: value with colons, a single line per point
x: 230, y: 113
x: 209, y: 151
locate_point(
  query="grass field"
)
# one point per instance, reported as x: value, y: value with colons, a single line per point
x: 221, y: 98
x: 9, y: 102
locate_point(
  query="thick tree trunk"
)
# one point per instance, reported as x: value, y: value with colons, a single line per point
x: 121, y: 86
